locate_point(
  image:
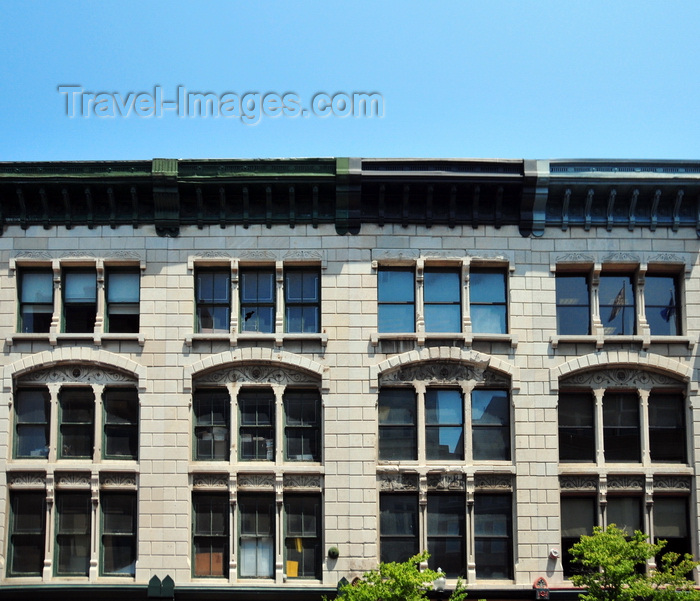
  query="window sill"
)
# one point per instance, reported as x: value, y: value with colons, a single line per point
x: 277, y: 339
x: 55, y: 339
x: 466, y: 339
x: 600, y: 341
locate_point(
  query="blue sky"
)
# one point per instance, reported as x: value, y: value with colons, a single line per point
x: 539, y: 79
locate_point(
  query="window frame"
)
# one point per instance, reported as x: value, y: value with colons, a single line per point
x: 71, y: 534
x: 83, y: 425
x: 437, y: 537
x: 256, y: 502
x: 407, y: 426
x: 486, y: 537
x: 34, y: 270
x: 212, y: 303
x: 432, y: 453
x: 305, y: 303
x: 256, y: 430
x: 562, y: 306
x: 210, y: 536
x: 244, y: 304
x: 568, y: 430
x: 19, y: 503
x: 311, y: 429
x: 130, y: 427
x: 71, y: 309
x: 569, y: 567
x: 430, y: 303
x: 408, y: 542
x: 107, y: 498
x: 313, y: 540
x: 130, y: 307
x: 211, y: 396
x: 46, y: 422
x: 391, y: 304
x: 478, y: 302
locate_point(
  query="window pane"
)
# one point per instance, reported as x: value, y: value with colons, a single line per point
x: 493, y: 534
x: 573, y: 310
x: 490, y: 424
x: 302, y: 543
x: 397, y: 419
x: 443, y: 406
x: 396, y: 318
x: 441, y: 286
x: 578, y: 516
x: 32, y: 427
x: 76, y: 428
x: 80, y: 287
x: 576, y: 430
x: 661, y: 305
x: 37, y: 287
x: 621, y: 437
x: 396, y: 286
x: 27, y: 532
x: 211, y: 415
x: 617, y: 309
x: 487, y: 287
x: 488, y: 319
x: 625, y: 513
x: 73, y: 534
x: 667, y: 437
x: 118, y: 533
x: 443, y: 318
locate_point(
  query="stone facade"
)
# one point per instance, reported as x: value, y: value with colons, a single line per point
x: 552, y: 220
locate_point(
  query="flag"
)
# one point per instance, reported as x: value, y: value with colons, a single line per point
x: 669, y: 310
x: 618, y: 303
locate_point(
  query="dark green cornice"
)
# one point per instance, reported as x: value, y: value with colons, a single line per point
x: 349, y: 192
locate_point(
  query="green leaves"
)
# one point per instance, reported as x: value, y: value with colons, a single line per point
x: 615, y: 568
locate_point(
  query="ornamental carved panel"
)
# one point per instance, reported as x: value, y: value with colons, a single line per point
x: 210, y: 481
x: 257, y: 374
x: 442, y: 372
x: 398, y: 482
x: 87, y: 374
x: 575, y: 257
x: 73, y: 480
x: 303, y: 255
x: 258, y: 481
x: 625, y: 482
x: 500, y: 482
x: 456, y: 482
x: 620, y: 377
x: 305, y: 481
x: 117, y: 480
x: 576, y: 483
x: 669, y: 483
x: 26, y: 479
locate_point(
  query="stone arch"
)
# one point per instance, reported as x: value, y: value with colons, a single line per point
x: 68, y: 355
x: 256, y: 356
x: 472, y: 359
x: 626, y: 359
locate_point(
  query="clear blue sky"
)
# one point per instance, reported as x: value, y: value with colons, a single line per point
x: 547, y: 79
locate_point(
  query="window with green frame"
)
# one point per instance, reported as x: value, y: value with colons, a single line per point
x: 213, y: 300
x: 256, y: 543
x: 210, y: 534
x: 257, y: 425
x: 302, y: 415
x: 79, y: 300
x: 121, y: 423
x: 257, y: 290
x: 76, y: 418
x: 35, y: 300
x: 302, y: 530
x: 32, y: 410
x: 211, y: 408
x: 27, y: 533
x: 73, y: 532
x: 302, y: 300
x: 118, y: 533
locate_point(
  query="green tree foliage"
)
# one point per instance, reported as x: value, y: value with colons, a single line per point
x: 396, y: 582
x: 614, y: 569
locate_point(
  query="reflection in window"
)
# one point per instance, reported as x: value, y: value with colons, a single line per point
x: 617, y: 308
x: 258, y: 301
x: 397, y: 424
x: 396, y: 295
x: 661, y: 305
x: 487, y: 292
x: 573, y: 305
x: 441, y: 300
x: 398, y: 526
x: 444, y: 424
x: 302, y: 300
x: 212, y: 294
x: 490, y: 424
x: 257, y: 430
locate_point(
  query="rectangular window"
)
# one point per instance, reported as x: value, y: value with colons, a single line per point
x: 661, y: 305
x: 442, y: 300
x: 302, y: 536
x: 444, y: 424
x: 617, y: 308
x: 257, y: 540
x: 31, y: 423
x: 118, y: 533
x: 446, y: 519
x: 257, y: 300
x: 210, y: 534
x: 397, y: 424
x: 578, y: 516
x: 573, y: 304
x: 576, y: 427
x: 73, y: 532
x: 488, y: 305
x: 667, y: 440
x: 79, y: 300
x: 490, y: 424
x: 302, y: 415
x: 27, y: 533
x: 398, y: 526
x: 493, y: 536
x: 121, y: 423
x: 213, y: 299
x: 35, y: 300
x: 211, y: 425
x: 257, y: 425
x: 621, y: 436
x: 302, y: 300
x: 123, y: 295
x: 396, y: 296
x: 625, y: 513
x: 672, y: 525
x: 76, y: 423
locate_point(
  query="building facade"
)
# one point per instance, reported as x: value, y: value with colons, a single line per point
x: 236, y: 379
